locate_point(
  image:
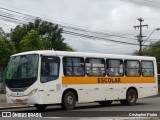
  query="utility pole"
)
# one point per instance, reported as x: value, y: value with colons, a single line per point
x: 140, y: 36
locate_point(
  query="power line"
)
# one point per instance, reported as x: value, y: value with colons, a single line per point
x: 97, y: 35
x: 68, y: 27
x: 62, y: 22
x: 34, y: 17
x: 95, y: 32
x: 89, y: 36
x: 15, y: 15
x: 17, y: 12
x: 144, y: 3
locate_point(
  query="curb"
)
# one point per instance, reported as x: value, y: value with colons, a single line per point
x: 12, y: 107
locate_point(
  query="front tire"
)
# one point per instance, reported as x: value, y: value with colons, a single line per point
x: 131, y: 98
x: 69, y: 101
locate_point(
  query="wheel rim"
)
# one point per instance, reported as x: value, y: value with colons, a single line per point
x: 131, y: 97
x: 70, y: 100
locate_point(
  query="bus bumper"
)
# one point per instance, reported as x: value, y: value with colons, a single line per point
x: 23, y: 99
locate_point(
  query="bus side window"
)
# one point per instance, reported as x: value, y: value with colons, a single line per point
x: 49, y: 68
x: 114, y: 67
x: 132, y: 68
x: 147, y: 69
x: 73, y: 66
x: 95, y: 67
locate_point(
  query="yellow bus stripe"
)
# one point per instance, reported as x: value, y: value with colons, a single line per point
x: 107, y: 80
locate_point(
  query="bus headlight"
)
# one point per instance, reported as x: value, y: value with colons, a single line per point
x: 32, y: 92
x: 8, y: 94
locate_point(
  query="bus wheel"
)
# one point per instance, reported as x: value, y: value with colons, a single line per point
x: 105, y: 103
x: 131, y: 98
x: 68, y: 101
x: 40, y: 107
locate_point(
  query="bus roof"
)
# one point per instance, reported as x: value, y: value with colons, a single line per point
x: 84, y: 54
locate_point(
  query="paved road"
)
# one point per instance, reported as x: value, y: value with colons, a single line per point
x: 143, y: 106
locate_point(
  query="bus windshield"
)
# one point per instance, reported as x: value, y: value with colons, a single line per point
x: 22, y: 71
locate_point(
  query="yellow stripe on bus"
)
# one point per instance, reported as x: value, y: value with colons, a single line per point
x: 107, y: 80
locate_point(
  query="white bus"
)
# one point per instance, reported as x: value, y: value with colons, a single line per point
x: 56, y: 77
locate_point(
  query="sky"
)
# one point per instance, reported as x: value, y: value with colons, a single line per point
x: 116, y: 17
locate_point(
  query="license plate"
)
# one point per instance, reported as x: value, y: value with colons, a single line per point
x: 18, y: 100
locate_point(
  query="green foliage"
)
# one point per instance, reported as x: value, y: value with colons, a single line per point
x: 152, y: 50
x: 49, y: 35
x: 2, y: 34
x: 32, y: 41
x: 7, y: 48
x: 17, y: 35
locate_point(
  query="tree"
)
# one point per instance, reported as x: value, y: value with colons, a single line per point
x: 32, y: 41
x: 152, y: 50
x: 17, y: 35
x: 2, y: 33
x: 7, y: 48
x: 50, y: 33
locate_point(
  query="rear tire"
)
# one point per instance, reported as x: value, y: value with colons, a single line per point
x: 69, y: 101
x: 40, y: 107
x: 105, y: 103
x: 131, y: 98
